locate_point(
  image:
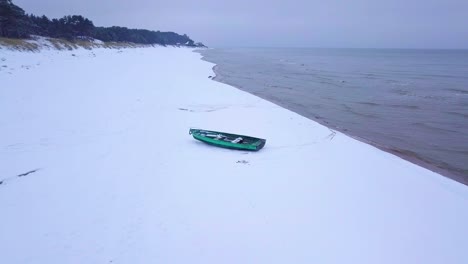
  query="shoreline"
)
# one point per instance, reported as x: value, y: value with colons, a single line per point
x: 407, y: 155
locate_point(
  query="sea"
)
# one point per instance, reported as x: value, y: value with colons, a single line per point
x: 412, y: 103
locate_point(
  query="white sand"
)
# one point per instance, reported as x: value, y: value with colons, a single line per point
x: 119, y: 179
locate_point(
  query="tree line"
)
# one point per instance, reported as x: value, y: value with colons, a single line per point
x: 15, y: 23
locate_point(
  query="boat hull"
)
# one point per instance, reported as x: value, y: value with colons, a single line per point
x: 225, y: 140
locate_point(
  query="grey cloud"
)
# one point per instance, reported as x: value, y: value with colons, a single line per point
x: 297, y: 23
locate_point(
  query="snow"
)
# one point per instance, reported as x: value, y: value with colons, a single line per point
x: 97, y: 41
x: 114, y: 177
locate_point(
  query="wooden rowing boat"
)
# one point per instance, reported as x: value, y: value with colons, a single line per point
x: 228, y: 140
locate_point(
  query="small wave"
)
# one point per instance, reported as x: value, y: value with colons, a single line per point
x: 403, y: 84
x: 367, y: 115
x: 296, y: 104
x: 400, y: 91
x: 371, y: 76
x: 369, y: 103
x: 463, y: 152
x: 433, y: 128
x: 346, y: 107
x: 459, y: 91
x: 411, y: 107
x: 438, y: 76
x: 434, y: 97
x: 330, y: 83
x: 280, y: 87
x: 457, y: 114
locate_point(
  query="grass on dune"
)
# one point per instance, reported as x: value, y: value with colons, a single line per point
x: 61, y: 44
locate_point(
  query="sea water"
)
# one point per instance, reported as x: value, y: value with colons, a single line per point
x: 413, y: 103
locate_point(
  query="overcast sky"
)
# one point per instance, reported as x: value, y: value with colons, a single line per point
x: 287, y: 23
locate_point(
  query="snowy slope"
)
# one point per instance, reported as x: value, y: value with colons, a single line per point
x: 119, y: 180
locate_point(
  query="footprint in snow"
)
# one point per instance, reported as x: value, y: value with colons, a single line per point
x: 185, y: 109
x: 204, y: 109
x: 243, y: 162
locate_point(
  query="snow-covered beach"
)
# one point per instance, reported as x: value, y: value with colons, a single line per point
x: 109, y: 173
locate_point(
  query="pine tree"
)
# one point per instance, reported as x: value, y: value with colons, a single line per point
x: 13, y: 20
x: 14, y: 23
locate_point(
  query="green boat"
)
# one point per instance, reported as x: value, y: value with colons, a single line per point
x: 227, y: 140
